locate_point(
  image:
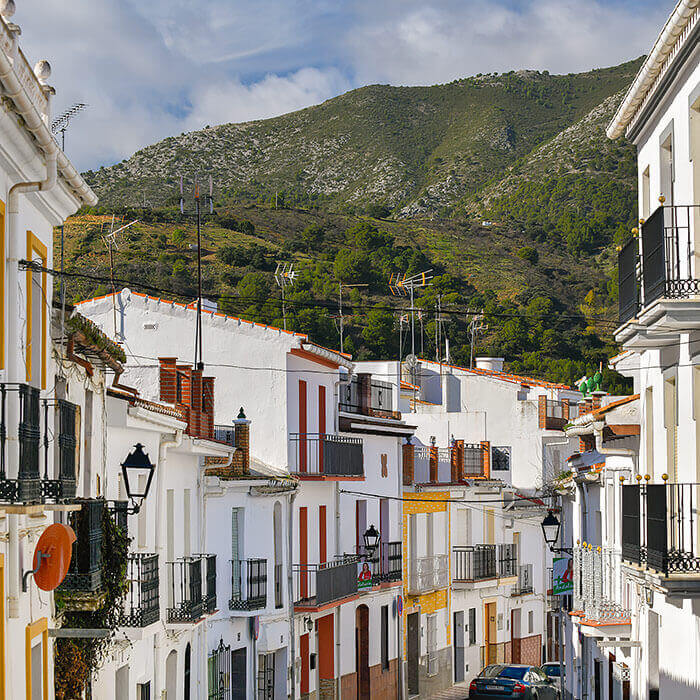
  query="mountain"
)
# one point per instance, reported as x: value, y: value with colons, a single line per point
x: 505, y: 186
x: 417, y: 150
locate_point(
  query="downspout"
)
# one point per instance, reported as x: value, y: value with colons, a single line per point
x: 584, y: 538
x: 612, y: 451
x: 290, y: 594
x: 163, y: 447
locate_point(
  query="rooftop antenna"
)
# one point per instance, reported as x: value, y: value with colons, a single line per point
x: 285, y: 274
x: 199, y: 199
x: 61, y: 122
x: 404, y: 285
x: 340, y: 306
x: 476, y: 326
x: 110, y: 241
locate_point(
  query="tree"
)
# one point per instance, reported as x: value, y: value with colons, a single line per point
x: 379, y: 333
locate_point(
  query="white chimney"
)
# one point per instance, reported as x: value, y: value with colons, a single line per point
x: 493, y: 364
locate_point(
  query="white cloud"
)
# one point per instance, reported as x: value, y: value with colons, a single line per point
x: 152, y: 68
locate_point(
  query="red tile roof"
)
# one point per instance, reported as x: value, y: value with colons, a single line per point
x: 504, y: 376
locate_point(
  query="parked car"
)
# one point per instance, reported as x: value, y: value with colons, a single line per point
x: 552, y: 669
x: 513, y: 681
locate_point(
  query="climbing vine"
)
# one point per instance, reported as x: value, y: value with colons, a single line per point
x: 75, y: 659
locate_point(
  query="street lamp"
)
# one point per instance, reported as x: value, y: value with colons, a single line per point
x: 550, y: 530
x: 371, y: 538
x: 137, y: 464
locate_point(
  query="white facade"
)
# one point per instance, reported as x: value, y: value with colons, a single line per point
x: 659, y: 312
x: 39, y: 188
x: 345, y: 458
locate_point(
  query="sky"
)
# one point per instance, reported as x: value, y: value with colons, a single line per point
x: 155, y: 68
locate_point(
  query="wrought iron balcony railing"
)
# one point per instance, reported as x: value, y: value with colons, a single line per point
x: 369, y: 397
x: 667, y: 267
x: 38, y: 477
x: 141, y: 606
x: 484, y: 561
x: 324, y: 454
x: 427, y: 574
x: 384, y: 566
x: 659, y: 527
x: 524, y: 584
x: 225, y: 433
x: 248, y: 584
x: 319, y: 584
x: 85, y: 572
x: 192, y: 588
x: 428, y: 464
x: 593, y: 594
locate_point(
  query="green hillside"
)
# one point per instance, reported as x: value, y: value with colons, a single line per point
x: 504, y: 185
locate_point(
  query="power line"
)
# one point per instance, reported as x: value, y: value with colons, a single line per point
x: 312, y: 303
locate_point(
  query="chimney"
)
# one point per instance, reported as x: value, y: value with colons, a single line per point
x: 596, y: 399
x: 167, y: 379
x: 241, y: 457
x: 492, y: 364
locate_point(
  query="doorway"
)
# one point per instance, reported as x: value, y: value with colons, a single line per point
x: 362, y: 651
x: 413, y: 652
x: 491, y: 647
x: 459, y: 646
x: 239, y: 681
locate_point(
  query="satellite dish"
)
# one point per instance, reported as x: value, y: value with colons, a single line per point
x: 52, y: 556
x: 411, y: 361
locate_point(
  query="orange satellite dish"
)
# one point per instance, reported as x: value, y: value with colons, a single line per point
x: 52, y: 556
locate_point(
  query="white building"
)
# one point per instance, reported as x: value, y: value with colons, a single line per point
x: 660, y: 317
x: 39, y: 188
x: 312, y: 419
x: 485, y: 443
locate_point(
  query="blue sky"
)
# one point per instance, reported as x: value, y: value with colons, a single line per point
x: 153, y: 68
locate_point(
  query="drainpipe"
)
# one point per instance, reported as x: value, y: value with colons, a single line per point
x: 613, y: 451
x: 163, y: 447
x: 584, y: 538
x: 290, y: 593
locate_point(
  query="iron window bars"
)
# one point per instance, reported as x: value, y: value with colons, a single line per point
x: 141, y: 605
x: 248, y: 584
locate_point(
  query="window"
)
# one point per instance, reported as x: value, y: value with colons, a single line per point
x: 472, y: 626
x: 143, y: 691
x: 37, y: 301
x: 37, y: 659
x: 385, y: 637
x: 500, y: 459
x: 530, y: 622
x: 646, y: 194
x: 87, y: 445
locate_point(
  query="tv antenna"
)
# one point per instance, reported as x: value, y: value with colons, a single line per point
x: 199, y: 198
x: 476, y: 326
x: 340, y: 306
x: 61, y: 122
x: 404, y: 285
x: 110, y: 240
x: 285, y: 274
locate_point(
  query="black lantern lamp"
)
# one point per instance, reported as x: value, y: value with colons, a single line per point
x: 550, y: 530
x: 371, y: 538
x: 137, y: 464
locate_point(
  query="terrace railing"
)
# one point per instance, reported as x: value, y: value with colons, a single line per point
x: 141, y: 606
x: 248, y: 584
x: 324, y: 454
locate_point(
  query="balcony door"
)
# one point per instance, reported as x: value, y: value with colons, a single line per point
x: 302, y: 457
x: 413, y: 652
x: 239, y: 682
x: 362, y: 652
x: 515, y: 635
x: 321, y: 425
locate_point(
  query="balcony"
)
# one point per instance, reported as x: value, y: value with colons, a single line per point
x: 554, y: 415
x: 667, y: 267
x: 365, y: 396
x: 248, y: 584
x: 323, y: 455
x: 595, y: 609
x: 141, y: 606
x: 483, y: 562
x: 192, y: 588
x: 659, y: 527
x: 428, y: 574
x: 43, y: 445
x: 428, y: 464
x: 317, y: 585
x: 524, y: 584
x: 85, y: 572
x: 385, y: 565
x: 225, y: 434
